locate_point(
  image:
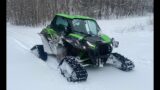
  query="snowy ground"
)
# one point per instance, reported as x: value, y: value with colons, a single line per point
x: 27, y: 72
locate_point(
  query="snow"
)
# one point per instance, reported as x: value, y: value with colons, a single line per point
x: 27, y: 72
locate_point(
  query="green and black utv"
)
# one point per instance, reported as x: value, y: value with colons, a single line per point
x: 77, y: 42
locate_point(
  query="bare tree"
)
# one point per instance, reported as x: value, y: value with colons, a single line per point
x: 35, y: 12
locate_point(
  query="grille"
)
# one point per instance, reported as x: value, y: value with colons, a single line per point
x: 103, y: 48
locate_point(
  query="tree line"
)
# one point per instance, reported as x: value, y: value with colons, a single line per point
x: 35, y: 12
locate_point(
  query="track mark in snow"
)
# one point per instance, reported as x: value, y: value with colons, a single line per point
x: 21, y: 45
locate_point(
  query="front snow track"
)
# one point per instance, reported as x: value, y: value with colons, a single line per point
x: 120, y: 62
x: 72, y: 70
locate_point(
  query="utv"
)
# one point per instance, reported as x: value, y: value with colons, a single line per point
x: 77, y: 42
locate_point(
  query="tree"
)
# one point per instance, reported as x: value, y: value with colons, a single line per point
x: 35, y: 12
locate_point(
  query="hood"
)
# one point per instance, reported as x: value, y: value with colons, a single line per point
x: 88, y: 39
x: 102, y: 38
x: 93, y: 39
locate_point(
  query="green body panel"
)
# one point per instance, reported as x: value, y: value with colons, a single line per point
x: 105, y: 38
x: 78, y: 36
x: 74, y: 16
x: 50, y: 32
x: 93, y: 47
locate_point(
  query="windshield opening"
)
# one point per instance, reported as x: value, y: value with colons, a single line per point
x: 85, y: 26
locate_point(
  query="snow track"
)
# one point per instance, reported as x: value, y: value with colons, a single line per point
x: 27, y: 72
x: 22, y: 45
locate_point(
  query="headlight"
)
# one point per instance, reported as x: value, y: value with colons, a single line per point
x: 90, y: 44
x: 84, y: 47
x: 115, y: 43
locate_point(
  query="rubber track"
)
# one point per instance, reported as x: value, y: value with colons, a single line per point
x: 127, y: 65
x: 41, y: 52
x: 81, y: 72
